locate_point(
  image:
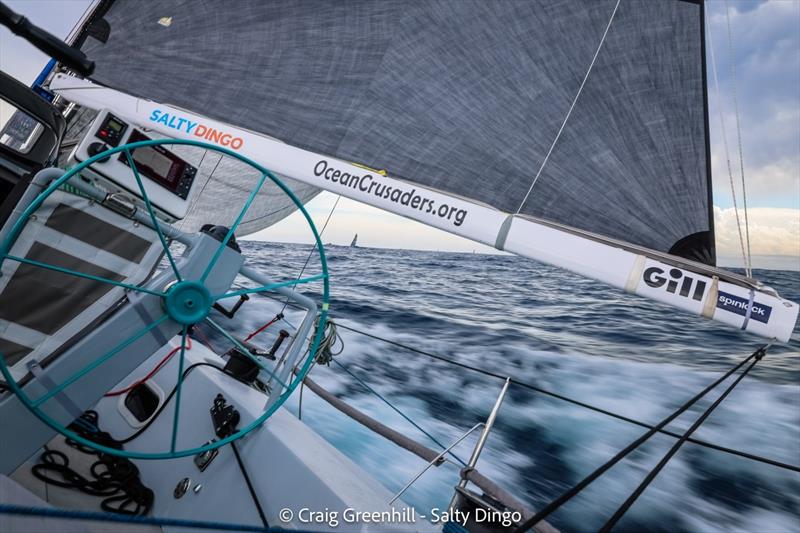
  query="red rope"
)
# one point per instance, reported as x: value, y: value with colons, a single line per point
x: 166, y: 358
x: 262, y: 328
x: 153, y: 372
x: 203, y: 337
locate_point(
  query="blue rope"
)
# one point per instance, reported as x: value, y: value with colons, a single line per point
x: 128, y: 519
x: 396, y: 410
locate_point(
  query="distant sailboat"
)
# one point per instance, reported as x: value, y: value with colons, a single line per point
x: 611, y: 205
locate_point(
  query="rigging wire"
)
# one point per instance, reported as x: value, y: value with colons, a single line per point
x: 105, y: 518
x: 571, y: 107
x: 326, y: 350
x: 398, y: 411
x: 567, y: 399
x: 664, y: 460
x: 328, y: 219
x: 724, y: 134
x: 325, y: 353
x: 579, y: 403
x: 732, y: 62
x: 203, y: 188
x: 602, y: 469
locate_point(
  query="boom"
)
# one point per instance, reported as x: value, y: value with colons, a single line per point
x: 710, y: 292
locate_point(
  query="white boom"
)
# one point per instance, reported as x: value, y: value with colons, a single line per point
x: 693, y: 287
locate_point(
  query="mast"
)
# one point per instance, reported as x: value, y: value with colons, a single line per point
x: 694, y: 287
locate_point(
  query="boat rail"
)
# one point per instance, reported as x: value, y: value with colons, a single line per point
x: 532, y: 520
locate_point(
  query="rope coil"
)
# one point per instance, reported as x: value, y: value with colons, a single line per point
x: 113, y: 477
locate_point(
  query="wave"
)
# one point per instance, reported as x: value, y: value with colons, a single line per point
x: 569, y: 335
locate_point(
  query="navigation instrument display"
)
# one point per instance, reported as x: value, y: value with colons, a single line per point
x: 160, y: 165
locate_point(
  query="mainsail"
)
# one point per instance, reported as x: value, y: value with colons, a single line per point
x: 463, y: 96
x: 225, y: 183
x: 465, y: 104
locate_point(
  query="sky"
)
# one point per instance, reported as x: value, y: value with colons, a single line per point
x: 766, y: 55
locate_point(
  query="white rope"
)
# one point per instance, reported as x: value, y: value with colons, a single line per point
x: 732, y: 61
x: 725, y: 145
x: 571, y: 107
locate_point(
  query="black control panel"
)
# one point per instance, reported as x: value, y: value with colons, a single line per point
x: 161, y: 166
x: 111, y: 130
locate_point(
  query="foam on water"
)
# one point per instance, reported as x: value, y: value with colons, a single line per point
x: 566, y: 334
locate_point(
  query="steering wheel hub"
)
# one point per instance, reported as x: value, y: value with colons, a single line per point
x: 184, y: 302
x: 188, y: 302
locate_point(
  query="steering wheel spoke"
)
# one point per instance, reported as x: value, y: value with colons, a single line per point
x: 97, y: 362
x: 151, y: 212
x: 178, y: 388
x: 250, y: 199
x: 77, y: 274
x: 186, y: 303
x: 271, y: 287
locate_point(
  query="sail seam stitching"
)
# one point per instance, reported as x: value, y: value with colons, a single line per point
x: 571, y: 107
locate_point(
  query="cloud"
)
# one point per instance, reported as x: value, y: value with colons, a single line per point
x: 375, y: 228
x: 765, y: 44
x: 773, y: 232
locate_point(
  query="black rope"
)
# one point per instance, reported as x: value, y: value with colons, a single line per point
x: 664, y: 460
x: 250, y: 488
x: 117, y: 477
x: 634, y: 421
x: 566, y: 496
x: 579, y: 403
x: 233, y: 443
x: 114, y: 478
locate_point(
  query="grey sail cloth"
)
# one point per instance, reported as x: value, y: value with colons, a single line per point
x: 463, y: 96
x: 225, y: 183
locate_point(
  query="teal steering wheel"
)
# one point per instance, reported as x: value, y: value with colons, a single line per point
x: 186, y: 302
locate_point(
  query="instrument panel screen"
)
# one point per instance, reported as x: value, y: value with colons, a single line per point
x: 115, y: 125
x: 156, y: 162
x: 160, y: 165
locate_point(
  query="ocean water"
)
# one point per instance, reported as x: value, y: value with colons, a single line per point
x: 564, y: 333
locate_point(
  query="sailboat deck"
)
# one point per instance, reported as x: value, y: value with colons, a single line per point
x: 66, y: 498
